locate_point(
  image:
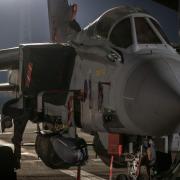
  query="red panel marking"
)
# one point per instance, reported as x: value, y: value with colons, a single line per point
x: 115, y: 144
x: 29, y: 74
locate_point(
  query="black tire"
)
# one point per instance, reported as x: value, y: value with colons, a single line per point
x: 122, y: 177
x: 7, y: 163
x: 163, y: 162
x: 47, y: 154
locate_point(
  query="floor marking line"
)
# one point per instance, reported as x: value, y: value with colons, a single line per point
x: 96, y: 160
x: 85, y: 175
x: 73, y: 173
x: 24, y: 151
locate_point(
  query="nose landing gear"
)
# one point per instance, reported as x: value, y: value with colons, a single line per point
x: 140, y: 164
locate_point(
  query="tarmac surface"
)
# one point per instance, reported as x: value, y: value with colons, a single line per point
x: 33, y: 168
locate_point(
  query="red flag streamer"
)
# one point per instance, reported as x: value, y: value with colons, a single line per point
x: 79, y: 173
x: 29, y: 74
x: 111, y: 168
x: 120, y: 148
x: 70, y: 110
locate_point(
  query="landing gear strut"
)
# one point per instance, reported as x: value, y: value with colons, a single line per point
x: 20, y: 118
x: 19, y: 127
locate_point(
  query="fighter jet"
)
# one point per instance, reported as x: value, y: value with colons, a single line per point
x: 117, y: 79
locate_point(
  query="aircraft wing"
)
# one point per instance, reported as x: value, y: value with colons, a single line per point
x: 9, y: 58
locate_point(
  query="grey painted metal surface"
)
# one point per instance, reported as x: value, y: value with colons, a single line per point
x: 140, y: 82
x: 121, y: 71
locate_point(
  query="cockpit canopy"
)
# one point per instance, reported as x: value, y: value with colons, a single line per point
x: 124, y: 26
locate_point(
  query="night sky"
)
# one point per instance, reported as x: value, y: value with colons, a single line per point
x: 24, y: 21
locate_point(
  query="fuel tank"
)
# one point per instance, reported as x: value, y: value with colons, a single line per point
x: 60, y: 152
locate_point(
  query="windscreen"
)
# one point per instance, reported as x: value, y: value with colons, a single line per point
x: 157, y: 26
x: 121, y: 35
x: 145, y: 33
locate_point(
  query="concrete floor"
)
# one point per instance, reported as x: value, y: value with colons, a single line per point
x: 33, y: 168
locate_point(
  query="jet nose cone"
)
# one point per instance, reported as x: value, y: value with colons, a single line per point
x: 152, y: 97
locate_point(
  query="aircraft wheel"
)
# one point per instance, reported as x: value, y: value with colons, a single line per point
x: 7, y: 163
x: 122, y: 177
x: 143, y: 175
